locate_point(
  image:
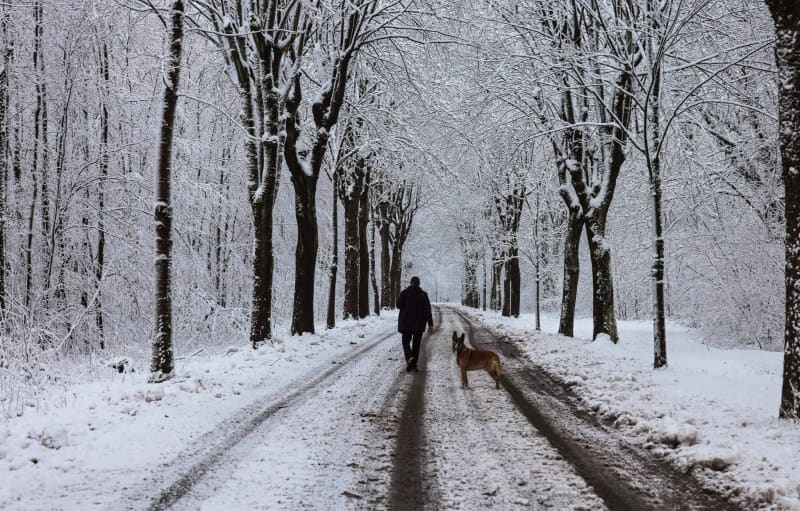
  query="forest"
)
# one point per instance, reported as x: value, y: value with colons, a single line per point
x: 181, y: 175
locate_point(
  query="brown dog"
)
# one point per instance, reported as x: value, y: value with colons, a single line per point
x: 473, y: 360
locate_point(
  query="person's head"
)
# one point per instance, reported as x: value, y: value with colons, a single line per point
x: 415, y: 281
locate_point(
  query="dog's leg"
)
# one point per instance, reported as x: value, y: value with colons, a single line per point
x: 492, y: 370
x: 464, y: 383
x: 496, y: 373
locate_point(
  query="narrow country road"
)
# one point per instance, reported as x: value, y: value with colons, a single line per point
x: 364, y: 434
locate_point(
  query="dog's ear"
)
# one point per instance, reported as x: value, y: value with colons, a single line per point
x: 463, y: 336
x: 455, y: 336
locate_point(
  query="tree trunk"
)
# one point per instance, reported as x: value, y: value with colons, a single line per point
x: 4, y: 166
x: 41, y: 99
x: 603, y: 287
x: 483, y: 264
x: 515, y: 281
x: 497, y: 291
x: 351, y: 255
x: 652, y: 148
x: 101, y: 234
x: 376, y: 301
x: 363, y: 246
x: 506, y: 310
x: 470, y: 298
x: 537, y: 261
x: 305, y: 256
x: 387, y: 300
x: 787, y: 55
x: 659, y: 322
x: 569, y: 293
x: 39, y: 142
x: 162, y: 365
x: 263, y: 264
x: 396, y: 273
x: 331, y: 315
x: 538, y: 296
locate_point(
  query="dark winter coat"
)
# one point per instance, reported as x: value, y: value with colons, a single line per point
x: 415, y: 310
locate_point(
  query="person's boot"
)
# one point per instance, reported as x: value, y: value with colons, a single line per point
x: 410, y: 365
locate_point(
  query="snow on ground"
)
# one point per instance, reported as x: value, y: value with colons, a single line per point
x: 482, y: 452
x: 85, y: 446
x: 712, y: 411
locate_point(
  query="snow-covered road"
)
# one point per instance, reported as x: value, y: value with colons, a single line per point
x: 361, y: 433
x: 368, y: 435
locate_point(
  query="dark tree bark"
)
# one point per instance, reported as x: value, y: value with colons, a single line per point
x: 470, y: 255
x: 506, y: 311
x: 221, y: 228
x: 39, y: 145
x: 363, y: 246
x: 514, y: 282
x: 162, y: 365
x: 396, y: 205
x: 42, y: 127
x: 376, y: 299
x: 351, y: 187
x: 4, y: 162
x: 602, y: 283
x: 786, y: 15
x: 305, y: 254
x: 483, y: 265
x: 537, y: 261
x: 508, y: 206
x: 569, y: 294
x: 497, y: 273
x: 396, y: 272
x: 305, y: 172
x: 334, y: 268
x: 55, y: 238
x: 382, y: 207
x: 387, y: 298
x: 257, y: 66
x: 101, y: 201
x: 652, y: 148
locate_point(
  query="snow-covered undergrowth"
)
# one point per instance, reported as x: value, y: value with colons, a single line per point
x: 712, y: 411
x: 103, y: 435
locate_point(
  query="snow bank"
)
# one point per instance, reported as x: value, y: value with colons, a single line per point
x: 712, y: 411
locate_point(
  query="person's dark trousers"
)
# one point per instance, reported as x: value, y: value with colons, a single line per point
x: 412, y: 349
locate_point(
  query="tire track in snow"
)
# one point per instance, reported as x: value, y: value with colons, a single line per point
x: 624, y: 476
x: 205, y: 453
x: 483, y: 453
x: 410, y: 488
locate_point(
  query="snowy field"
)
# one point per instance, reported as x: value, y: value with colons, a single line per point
x: 712, y: 411
x: 93, y: 444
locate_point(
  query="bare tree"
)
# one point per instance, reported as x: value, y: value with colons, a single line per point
x: 330, y: 321
x: 351, y: 169
x: 101, y: 183
x: 471, y: 249
x: 4, y: 156
x: 363, y: 244
x: 786, y: 15
x: 256, y: 39
x: 341, y: 36
x: 162, y: 364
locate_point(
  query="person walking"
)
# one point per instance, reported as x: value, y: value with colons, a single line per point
x: 415, y: 313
